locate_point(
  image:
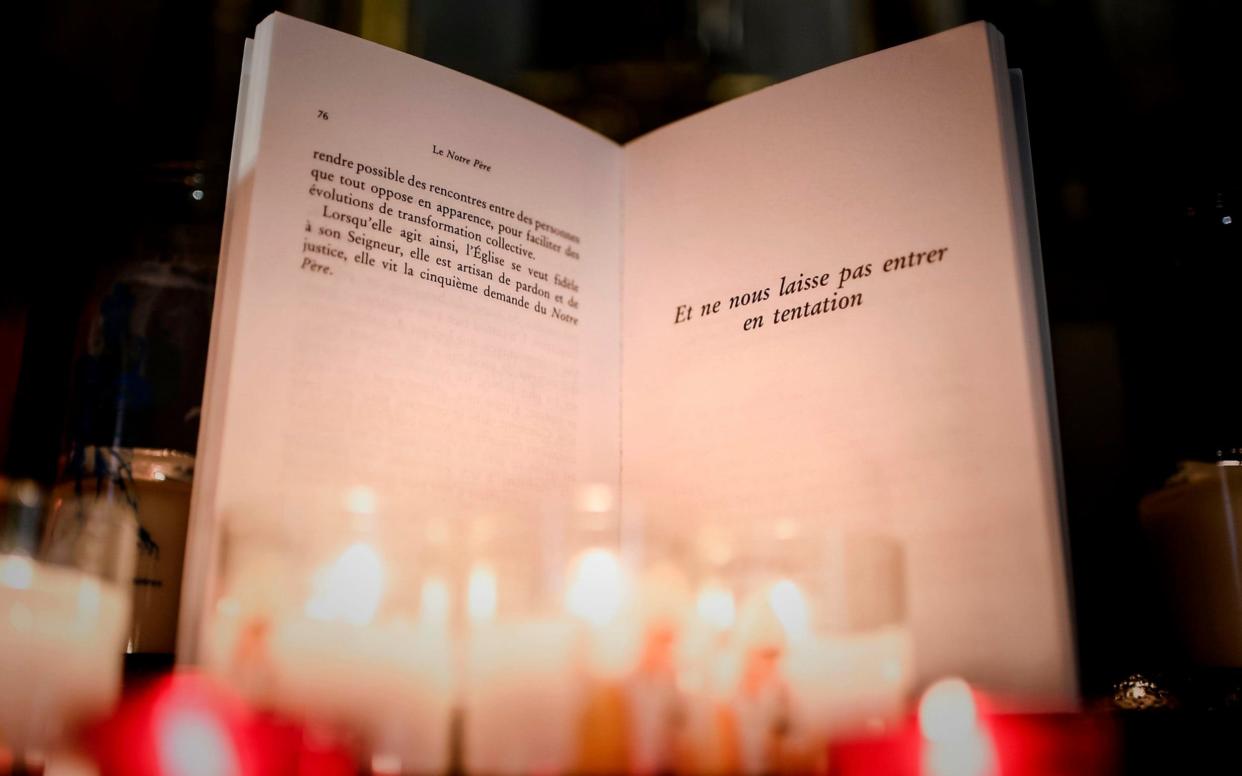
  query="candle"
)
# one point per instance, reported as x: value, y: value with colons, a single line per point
x: 551, y: 693
x: 953, y: 735
x: 600, y: 597
x: 345, y: 623
x: 521, y: 697
x: 955, y: 745
x: 707, y: 675
x: 345, y: 658
x: 520, y: 691
x: 649, y: 691
x: 62, y: 634
x: 768, y: 620
x: 842, y: 682
x: 186, y: 724
x: 391, y: 681
x: 798, y: 686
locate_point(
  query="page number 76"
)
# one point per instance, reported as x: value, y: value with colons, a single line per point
x: 323, y: 114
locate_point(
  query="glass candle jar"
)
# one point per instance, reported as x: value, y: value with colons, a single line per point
x: 65, y: 576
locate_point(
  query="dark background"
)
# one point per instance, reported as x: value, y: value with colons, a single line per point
x: 123, y: 117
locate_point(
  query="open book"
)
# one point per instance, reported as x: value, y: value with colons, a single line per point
x: 816, y: 302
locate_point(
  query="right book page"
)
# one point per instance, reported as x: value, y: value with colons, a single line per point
x: 829, y: 321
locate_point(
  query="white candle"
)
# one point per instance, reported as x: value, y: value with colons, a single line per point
x: 955, y: 743
x: 530, y: 679
x: 599, y: 597
x: 522, y: 697
x: 768, y: 621
x: 392, y: 681
x: 520, y: 685
x: 849, y: 681
x: 707, y: 671
x: 62, y: 636
x: 341, y: 659
x: 809, y: 684
x: 650, y: 689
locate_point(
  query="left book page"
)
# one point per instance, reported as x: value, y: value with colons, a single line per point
x: 418, y: 293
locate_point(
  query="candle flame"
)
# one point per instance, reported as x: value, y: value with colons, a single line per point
x: 192, y: 742
x: 350, y: 588
x: 947, y: 711
x: 435, y: 601
x: 360, y: 500
x: 789, y: 605
x: 956, y: 743
x: 716, y: 607
x: 16, y: 572
x: 714, y: 545
x: 786, y: 529
x: 598, y: 587
x: 595, y: 498
x: 481, y: 594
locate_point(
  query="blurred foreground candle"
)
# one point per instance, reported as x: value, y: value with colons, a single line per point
x: 844, y: 682
x: 821, y: 646
x: 599, y: 596
x: 64, y: 614
x: 62, y: 634
x: 360, y: 646
x: 706, y: 678
x: 954, y: 734
x: 520, y: 687
x: 391, y: 678
x: 954, y: 742
x: 521, y: 698
x: 761, y: 700
x: 652, y: 705
x: 523, y: 673
x: 855, y: 669
x: 187, y: 724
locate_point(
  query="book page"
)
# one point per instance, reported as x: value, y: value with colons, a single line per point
x: 829, y: 322
x: 202, y: 533
x: 421, y: 297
